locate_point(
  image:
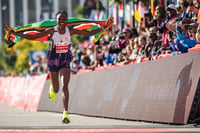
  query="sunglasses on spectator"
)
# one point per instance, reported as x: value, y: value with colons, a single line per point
x: 190, y: 28
x: 170, y: 10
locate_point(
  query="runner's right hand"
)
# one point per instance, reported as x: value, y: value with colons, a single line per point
x: 8, y: 28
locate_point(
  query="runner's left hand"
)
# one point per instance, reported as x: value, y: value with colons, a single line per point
x: 109, y: 22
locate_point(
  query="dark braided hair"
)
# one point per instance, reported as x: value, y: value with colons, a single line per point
x: 62, y: 13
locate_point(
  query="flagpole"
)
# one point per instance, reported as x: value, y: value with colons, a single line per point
x: 117, y: 14
x: 123, y: 14
x: 107, y: 9
x: 98, y: 9
x: 133, y: 13
x: 1, y: 25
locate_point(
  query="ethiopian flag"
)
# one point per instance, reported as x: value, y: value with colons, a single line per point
x: 34, y: 28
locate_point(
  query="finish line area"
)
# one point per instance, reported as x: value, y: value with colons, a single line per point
x: 89, y: 130
x: 20, y: 121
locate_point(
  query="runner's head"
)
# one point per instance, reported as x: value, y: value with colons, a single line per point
x: 61, y: 18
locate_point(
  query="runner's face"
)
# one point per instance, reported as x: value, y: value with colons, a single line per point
x: 61, y: 20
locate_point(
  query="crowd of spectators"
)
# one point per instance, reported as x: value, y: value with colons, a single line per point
x: 173, y: 30
x: 38, y: 68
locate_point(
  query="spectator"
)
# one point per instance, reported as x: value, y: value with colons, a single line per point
x: 75, y: 66
x: 135, y: 49
x: 197, y: 9
x: 79, y: 55
x: 121, y: 41
x: 35, y: 67
x: 152, y: 37
x: 134, y: 33
x: 40, y: 70
x: 127, y: 34
x: 184, y: 5
x: 183, y: 42
x: 156, y: 49
x: 120, y: 57
x: 113, y: 47
x: 153, y: 30
x: 179, y: 11
x: 189, y: 11
x: 100, y: 56
x: 82, y: 51
x: 125, y: 54
x: 131, y: 42
x: 113, y: 51
x: 142, y: 42
x: 91, y: 53
x: 44, y: 64
x: 172, y: 46
x: 86, y: 62
x: 192, y: 11
x: 141, y: 31
x: 158, y: 20
x: 192, y: 29
x: 198, y: 34
x: 172, y: 15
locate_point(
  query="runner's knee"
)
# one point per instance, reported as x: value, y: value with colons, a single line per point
x: 65, y: 88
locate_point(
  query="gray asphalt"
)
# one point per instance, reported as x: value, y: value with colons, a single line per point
x: 13, y: 118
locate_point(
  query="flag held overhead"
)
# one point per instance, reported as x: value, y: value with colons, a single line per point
x: 76, y: 23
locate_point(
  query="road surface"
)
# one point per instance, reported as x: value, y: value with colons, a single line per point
x: 18, y: 120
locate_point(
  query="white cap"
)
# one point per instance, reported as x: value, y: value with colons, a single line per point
x: 171, y: 6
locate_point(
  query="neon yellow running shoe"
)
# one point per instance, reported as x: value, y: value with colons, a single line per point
x: 52, y: 94
x: 66, y: 118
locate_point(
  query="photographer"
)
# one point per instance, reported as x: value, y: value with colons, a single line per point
x: 113, y: 47
x: 112, y: 52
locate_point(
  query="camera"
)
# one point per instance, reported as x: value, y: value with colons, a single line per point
x: 170, y: 34
x: 179, y: 29
x: 121, y: 36
x: 99, y: 49
x: 191, y: 4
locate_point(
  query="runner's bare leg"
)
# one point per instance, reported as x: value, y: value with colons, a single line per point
x: 55, y: 81
x: 65, y: 77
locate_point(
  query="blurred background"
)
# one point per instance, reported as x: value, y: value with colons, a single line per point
x: 22, y: 12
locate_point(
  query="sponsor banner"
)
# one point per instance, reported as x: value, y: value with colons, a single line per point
x: 22, y: 92
x: 35, y: 55
x: 160, y: 90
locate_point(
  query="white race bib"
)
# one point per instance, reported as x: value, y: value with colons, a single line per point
x: 62, y: 47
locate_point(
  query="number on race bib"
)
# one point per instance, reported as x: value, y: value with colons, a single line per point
x: 62, y: 48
